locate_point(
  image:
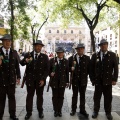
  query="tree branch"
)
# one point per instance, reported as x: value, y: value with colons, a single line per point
x: 42, y: 26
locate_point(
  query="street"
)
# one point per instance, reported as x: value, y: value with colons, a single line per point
x: 48, y: 108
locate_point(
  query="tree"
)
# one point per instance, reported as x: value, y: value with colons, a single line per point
x: 77, y: 10
x: 118, y: 1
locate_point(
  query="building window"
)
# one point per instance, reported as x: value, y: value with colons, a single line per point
x: 79, y: 32
x: 49, y: 31
x: 116, y: 36
x: 110, y: 36
x: 57, y: 31
x: 72, y: 31
x: 115, y: 43
x: 110, y: 44
x: 65, y: 31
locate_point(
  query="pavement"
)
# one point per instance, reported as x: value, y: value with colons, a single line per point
x: 48, y: 108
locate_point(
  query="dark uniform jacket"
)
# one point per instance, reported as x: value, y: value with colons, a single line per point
x: 36, y: 70
x: 9, y: 71
x: 61, y: 76
x: 108, y: 73
x: 80, y: 74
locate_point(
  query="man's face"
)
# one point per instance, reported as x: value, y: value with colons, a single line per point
x: 6, y: 44
x: 80, y: 51
x: 37, y: 48
x: 104, y: 47
x: 60, y: 54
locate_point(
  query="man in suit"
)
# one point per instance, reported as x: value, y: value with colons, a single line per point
x: 104, y: 74
x: 59, y: 79
x: 9, y: 71
x: 37, y: 70
x: 79, y: 69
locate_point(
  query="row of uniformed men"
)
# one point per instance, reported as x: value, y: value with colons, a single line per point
x: 102, y: 69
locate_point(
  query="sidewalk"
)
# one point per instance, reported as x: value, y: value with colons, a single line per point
x: 48, y: 109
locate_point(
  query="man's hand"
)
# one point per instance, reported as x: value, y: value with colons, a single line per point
x: 113, y: 82
x: 27, y: 60
x: 52, y: 74
x: 67, y: 85
x: 18, y: 81
x: 72, y: 68
x: 41, y: 83
x: 0, y: 62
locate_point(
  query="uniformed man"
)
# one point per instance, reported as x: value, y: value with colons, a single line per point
x: 79, y: 69
x: 37, y: 70
x: 9, y: 71
x: 104, y: 74
x: 59, y: 79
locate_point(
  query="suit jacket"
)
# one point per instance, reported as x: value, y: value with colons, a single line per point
x: 80, y: 74
x: 110, y: 68
x: 9, y: 71
x: 61, y: 76
x: 36, y: 70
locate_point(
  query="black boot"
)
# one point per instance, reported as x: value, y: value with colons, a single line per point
x: 72, y: 113
x: 84, y: 113
x: 55, y: 113
x: 109, y: 116
x: 41, y: 115
x: 94, y: 115
x: 27, y: 116
x: 60, y: 114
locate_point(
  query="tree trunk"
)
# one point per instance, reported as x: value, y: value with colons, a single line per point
x: 12, y: 23
x: 92, y: 41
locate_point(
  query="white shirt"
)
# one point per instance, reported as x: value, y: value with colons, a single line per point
x: 36, y: 53
x: 77, y: 56
x: 4, y: 51
x: 101, y: 54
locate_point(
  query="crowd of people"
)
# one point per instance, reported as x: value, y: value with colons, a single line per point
x: 102, y: 68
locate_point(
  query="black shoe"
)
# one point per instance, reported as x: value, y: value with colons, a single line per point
x: 55, y: 114
x: 41, y: 115
x: 60, y: 114
x: 94, y: 115
x: 109, y: 116
x: 14, y: 118
x: 72, y: 113
x: 84, y: 113
x: 27, y: 116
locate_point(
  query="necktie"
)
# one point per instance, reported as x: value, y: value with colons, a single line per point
x: 60, y: 62
x: 6, y: 55
x: 36, y: 55
x: 103, y: 56
x: 79, y: 60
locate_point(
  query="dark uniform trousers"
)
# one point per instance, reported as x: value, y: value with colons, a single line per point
x: 57, y: 98
x: 30, y: 95
x: 81, y: 89
x: 10, y: 92
x: 107, y: 92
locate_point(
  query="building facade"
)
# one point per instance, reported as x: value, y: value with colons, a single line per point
x: 68, y: 38
x: 112, y: 37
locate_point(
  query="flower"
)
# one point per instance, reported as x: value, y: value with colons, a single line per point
x: 1, y: 57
